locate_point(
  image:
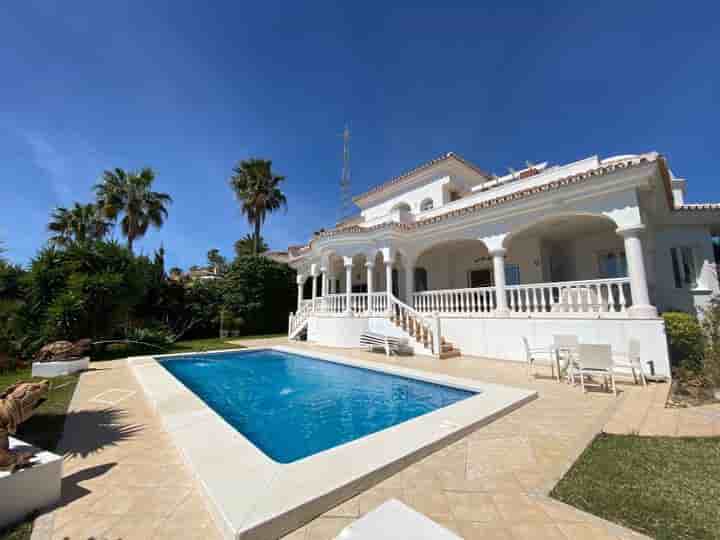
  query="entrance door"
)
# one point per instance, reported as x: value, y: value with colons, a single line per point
x: 480, y: 278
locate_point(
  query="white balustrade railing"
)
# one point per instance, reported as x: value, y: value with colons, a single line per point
x: 479, y: 300
x: 425, y: 330
x: 359, y: 303
x: 591, y: 296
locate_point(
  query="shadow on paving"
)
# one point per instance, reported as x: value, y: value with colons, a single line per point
x: 89, y: 431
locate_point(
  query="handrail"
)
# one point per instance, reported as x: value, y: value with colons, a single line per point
x: 412, y: 311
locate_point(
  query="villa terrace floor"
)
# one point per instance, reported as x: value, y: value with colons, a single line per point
x: 124, y: 479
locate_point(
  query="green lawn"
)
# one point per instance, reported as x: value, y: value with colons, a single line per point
x: 122, y: 350
x: 44, y: 429
x: 665, y: 487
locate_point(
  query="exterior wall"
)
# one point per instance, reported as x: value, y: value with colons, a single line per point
x: 585, y: 250
x: 433, y: 190
x: 448, y: 265
x: 668, y: 296
x: 501, y: 337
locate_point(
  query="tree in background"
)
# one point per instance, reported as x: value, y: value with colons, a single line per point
x: 130, y: 194
x: 246, y: 246
x: 216, y: 261
x: 257, y: 189
x: 260, y: 292
x: 81, y: 223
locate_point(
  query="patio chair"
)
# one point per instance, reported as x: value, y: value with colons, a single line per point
x: 565, y: 347
x: 595, y: 360
x: 389, y: 344
x: 534, y: 356
x: 631, y: 360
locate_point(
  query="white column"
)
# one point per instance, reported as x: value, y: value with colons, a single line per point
x: 641, y: 306
x: 370, y: 268
x: 388, y: 279
x: 409, y: 281
x: 498, y: 256
x: 348, y: 284
x: 324, y: 282
x: 313, y: 276
x: 300, y: 283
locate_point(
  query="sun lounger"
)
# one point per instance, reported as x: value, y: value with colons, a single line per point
x: 389, y: 344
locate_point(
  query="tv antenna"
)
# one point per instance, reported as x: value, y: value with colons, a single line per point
x: 346, y: 203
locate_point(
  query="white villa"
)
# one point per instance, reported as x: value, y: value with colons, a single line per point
x: 459, y: 261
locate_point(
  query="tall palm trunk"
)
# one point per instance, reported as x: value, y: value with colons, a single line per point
x: 256, y: 240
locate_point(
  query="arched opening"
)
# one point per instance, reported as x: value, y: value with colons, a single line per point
x: 401, y: 207
x: 426, y: 205
x: 456, y: 264
x: 566, y: 248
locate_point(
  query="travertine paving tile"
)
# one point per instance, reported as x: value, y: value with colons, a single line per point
x: 124, y: 479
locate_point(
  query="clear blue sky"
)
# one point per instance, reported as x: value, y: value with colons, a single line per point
x: 189, y: 88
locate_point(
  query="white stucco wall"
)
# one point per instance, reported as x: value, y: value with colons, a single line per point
x: 433, y: 189
x: 501, y: 337
x: 686, y: 298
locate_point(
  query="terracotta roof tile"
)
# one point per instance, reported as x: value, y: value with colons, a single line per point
x: 404, y: 176
x: 497, y: 201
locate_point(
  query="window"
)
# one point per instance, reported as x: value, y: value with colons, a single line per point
x: 421, y: 280
x: 426, y: 205
x: 683, y: 265
x: 454, y: 195
x: 480, y: 278
x: 612, y: 264
x: 512, y: 274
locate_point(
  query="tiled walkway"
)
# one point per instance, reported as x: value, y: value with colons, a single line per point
x: 644, y: 413
x: 123, y: 478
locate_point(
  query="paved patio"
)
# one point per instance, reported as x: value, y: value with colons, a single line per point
x: 124, y: 479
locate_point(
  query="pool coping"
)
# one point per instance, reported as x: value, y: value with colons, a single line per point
x: 253, y: 497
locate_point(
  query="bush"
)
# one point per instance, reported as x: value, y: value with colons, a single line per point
x: 261, y: 292
x: 711, y: 329
x: 685, y: 339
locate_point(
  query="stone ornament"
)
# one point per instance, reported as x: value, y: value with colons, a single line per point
x: 17, y: 404
x: 63, y: 350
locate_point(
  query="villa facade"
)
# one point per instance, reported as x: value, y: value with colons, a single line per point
x: 460, y: 261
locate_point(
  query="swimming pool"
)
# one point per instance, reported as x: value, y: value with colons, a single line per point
x: 292, y: 406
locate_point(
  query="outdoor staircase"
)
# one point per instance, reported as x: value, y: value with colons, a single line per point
x: 422, y: 330
x: 298, y: 322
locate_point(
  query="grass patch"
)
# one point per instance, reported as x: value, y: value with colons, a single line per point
x: 123, y: 350
x: 44, y: 429
x: 665, y: 487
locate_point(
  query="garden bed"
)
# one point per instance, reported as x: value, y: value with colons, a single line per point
x: 665, y: 487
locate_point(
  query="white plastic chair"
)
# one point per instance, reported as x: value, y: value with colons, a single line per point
x: 565, y: 347
x: 595, y: 360
x: 631, y: 360
x: 534, y: 356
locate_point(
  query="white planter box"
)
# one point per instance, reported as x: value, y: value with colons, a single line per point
x: 56, y: 369
x: 31, y: 489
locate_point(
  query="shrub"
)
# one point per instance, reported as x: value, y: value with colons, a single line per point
x: 685, y: 339
x: 261, y: 292
x: 711, y: 330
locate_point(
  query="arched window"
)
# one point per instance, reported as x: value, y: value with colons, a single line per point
x: 403, y: 206
x: 426, y: 205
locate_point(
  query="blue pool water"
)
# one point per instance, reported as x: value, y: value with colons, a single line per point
x: 293, y: 406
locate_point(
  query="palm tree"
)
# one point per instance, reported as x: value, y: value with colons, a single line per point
x: 257, y: 189
x: 81, y: 223
x: 246, y: 245
x: 130, y: 193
